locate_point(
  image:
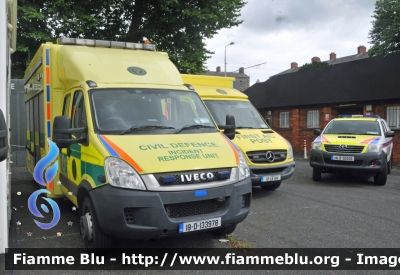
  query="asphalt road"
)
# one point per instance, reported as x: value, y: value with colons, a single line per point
x: 341, y: 211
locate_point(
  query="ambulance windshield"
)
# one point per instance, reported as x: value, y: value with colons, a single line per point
x: 246, y: 116
x: 125, y: 111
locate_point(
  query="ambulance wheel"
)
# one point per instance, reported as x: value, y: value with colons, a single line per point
x: 316, y: 175
x: 221, y: 232
x: 91, y: 232
x: 380, y: 177
x: 271, y: 187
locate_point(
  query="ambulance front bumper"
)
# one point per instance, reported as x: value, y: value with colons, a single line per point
x: 134, y: 214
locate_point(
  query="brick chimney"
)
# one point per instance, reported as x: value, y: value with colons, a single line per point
x: 293, y: 65
x: 218, y: 69
x: 241, y: 70
x: 361, y: 49
x: 315, y: 59
x: 332, y: 56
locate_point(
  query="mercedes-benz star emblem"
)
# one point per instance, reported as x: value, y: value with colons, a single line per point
x: 343, y: 146
x: 270, y: 156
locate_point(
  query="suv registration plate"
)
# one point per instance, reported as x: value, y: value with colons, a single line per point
x: 199, y: 225
x: 270, y: 178
x: 343, y: 158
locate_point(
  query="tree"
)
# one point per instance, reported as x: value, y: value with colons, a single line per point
x: 308, y: 66
x: 385, y: 32
x: 178, y: 27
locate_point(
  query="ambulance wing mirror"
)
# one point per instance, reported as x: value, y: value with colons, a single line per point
x: 3, y: 137
x: 230, y: 127
x: 317, y: 132
x: 62, y: 132
x: 389, y: 134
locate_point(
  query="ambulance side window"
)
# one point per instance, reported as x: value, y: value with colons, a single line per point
x: 67, y: 103
x: 79, y: 113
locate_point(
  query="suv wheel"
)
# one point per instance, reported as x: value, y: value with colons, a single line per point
x: 316, y: 175
x: 380, y: 177
x: 390, y: 164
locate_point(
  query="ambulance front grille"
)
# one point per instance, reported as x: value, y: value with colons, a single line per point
x: 187, y: 209
x: 188, y: 176
x: 274, y: 156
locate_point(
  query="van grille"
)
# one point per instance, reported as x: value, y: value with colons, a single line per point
x: 261, y: 156
x: 187, y: 209
x: 346, y: 149
x: 128, y: 213
x: 188, y: 176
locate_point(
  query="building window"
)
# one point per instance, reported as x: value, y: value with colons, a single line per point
x: 284, y: 119
x: 313, y: 119
x: 393, y: 117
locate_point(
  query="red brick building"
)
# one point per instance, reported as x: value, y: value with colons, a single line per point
x: 297, y: 102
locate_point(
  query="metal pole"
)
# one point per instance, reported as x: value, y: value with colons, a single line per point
x: 225, y: 55
x: 305, y: 148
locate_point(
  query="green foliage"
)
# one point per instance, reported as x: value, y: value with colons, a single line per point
x: 178, y: 27
x: 308, y: 66
x: 385, y: 32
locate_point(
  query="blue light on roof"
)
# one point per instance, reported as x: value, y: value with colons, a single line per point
x: 355, y: 116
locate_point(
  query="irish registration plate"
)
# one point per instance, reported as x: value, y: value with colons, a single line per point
x: 270, y: 178
x: 199, y: 225
x: 343, y: 158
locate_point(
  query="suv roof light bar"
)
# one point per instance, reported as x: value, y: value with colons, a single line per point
x: 105, y: 43
x: 370, y: 116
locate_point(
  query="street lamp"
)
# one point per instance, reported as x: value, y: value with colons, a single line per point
x: 225, y: 54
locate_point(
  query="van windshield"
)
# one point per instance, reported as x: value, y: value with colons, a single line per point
x: 128, y: 110
x: 355, y: 127
x: 246, y: 116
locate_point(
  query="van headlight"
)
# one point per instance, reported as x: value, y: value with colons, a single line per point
x: 374, y: 148
x: 244, y: 171
x: 121, y: 174
x: 316, y: 145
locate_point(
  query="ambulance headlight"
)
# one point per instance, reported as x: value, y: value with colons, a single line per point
x: 290, y: 151
x: 316, y: 145
x: 374, y: 148
x: 121, y: 174
x: 244, y: 171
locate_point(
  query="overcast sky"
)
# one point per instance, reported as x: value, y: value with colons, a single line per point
x: 283, y: 31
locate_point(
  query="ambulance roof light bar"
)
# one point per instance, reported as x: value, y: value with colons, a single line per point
x: 105, y: 43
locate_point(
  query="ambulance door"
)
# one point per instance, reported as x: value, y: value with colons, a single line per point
x: 73, y: 157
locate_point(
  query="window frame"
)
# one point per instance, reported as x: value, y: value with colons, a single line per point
x: 312, y: 121
x: 284, y: 119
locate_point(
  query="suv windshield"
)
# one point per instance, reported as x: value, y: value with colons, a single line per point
x: 355, y: 127
x: 246, y: 116
x: 128, y: 110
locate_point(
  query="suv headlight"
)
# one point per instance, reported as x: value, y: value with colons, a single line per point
x: 244, y: 171
x: 121, y: 174
x: 316, y: 145
x: 374, y: 148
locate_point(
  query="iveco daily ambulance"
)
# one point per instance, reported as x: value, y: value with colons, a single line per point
x: 268, y: 154
x: 353, y: 143
x: 141, y: 157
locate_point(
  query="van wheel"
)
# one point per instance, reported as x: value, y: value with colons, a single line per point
x: 221, y: 232
x: 380, y: 177
x: 316, y: 175
x: 271, y: 187
x: 91, y: 232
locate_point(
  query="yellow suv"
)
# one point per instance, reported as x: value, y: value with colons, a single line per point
x: 353, y: 143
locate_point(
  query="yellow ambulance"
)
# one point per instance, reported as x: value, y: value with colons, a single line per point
x: 268, y: 154
x: 140, y: 155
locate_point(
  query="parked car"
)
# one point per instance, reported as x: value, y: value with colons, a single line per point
x: 353, y: 143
